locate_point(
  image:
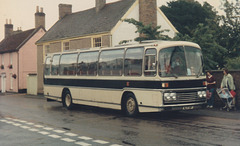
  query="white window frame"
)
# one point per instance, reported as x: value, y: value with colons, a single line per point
x: 66, y: 47
x: 94, y: 42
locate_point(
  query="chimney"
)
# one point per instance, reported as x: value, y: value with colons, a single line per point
x: 8, y: 28
x: 64, y: 9
x: 39, y: 18
x: 100, y: 4
x: 148, y: 12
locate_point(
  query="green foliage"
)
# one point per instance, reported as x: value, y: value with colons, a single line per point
x: 213, y: 53
x: 233, y: 63
x: 218, y: 36
x: 230, y: 34
x: 185, y: 15
x: 147, y: 32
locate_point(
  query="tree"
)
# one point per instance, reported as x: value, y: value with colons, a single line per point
x: 213, y: 53
x: 185, y: 15
x: 147, y: 32
x: 230, y: 34
x: 200, y: 24
x: 233, y: 63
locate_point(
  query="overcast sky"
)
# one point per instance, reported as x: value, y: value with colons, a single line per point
x: 21, y: 12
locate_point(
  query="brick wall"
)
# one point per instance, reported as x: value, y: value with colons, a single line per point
x: 148, y: 12
x: 236, y: 76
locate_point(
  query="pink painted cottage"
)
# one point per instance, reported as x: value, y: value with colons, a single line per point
x: 18, y: 54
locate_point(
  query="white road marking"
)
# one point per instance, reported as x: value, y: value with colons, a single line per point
x: 59, y: 131
x: 68, y: 140
x: 25, y: 123
x: 70, y: 134
x: 25, y: 127
x: 29, y: 123
x: 43, y: 132
x: 48, y: 128
x: 18, y: 120
x: 54, y: 136
x: 17, y: 124
x: 101, y: 141
x: 9, y: 122
x: 33, y: 129
x: 82, y: 143
x: 39, y: 126
x: 22, y: 121
x: 85, y: 138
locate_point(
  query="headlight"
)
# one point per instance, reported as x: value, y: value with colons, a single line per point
x: 170, y: 96
x: 202, y: 94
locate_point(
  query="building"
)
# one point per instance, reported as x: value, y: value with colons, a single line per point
x: 18, y: 54
x: 101, y: 26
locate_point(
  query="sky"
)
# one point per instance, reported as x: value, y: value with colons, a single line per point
x: 21, y: 12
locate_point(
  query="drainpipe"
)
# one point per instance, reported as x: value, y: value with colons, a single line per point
x: 18, y: 70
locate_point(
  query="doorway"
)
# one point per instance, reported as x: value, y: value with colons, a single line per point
x: 3, y: 83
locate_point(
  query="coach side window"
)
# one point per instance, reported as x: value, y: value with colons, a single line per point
x: 87, y: 64
x: 133, y: 62
x: 150, y: 62
x: 111, y: 63
x: 68, y: 63
x: 47, y: 66
x: 55, y: 65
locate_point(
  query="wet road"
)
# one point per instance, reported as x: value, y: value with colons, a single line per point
x: 27, y: 120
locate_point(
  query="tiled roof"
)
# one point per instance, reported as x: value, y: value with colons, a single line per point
x: 88, y: 21
x: 15, y: 41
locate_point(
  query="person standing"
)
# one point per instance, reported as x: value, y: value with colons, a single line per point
x: 211, y: 82
x: 227, y: 82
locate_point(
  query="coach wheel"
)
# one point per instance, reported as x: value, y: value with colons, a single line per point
x: 67, y: 100
x: 130, y: 105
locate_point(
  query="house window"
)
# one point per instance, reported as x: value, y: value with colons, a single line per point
x: 97, y: 42
x: 66, y: 46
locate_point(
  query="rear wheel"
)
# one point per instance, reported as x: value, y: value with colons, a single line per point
x: 67, y: 100
x: 130, y: 107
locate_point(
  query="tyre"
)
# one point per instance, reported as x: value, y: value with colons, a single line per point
x: 67, y: 100
x: 130, y: 107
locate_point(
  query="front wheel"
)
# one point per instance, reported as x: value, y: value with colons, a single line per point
x: 67, y: 100
x: 130, y: 107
